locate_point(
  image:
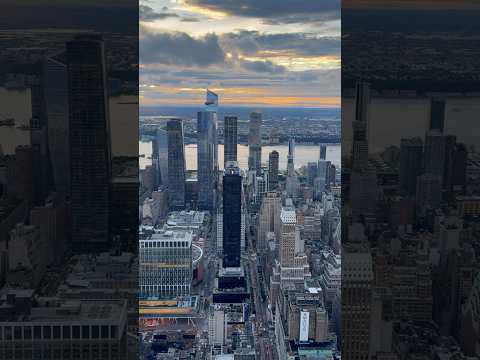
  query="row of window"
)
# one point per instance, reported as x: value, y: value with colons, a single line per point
x: 57, y: 332
x: 164, y: 244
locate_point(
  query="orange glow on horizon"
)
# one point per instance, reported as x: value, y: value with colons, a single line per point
x: 269, y: 100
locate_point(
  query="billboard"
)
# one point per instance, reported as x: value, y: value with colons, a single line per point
x: 304, y: 324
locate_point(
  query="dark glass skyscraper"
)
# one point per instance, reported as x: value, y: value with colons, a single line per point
x: 360, y: 125
x: 207, y: 148
x: 411, y: 164
x: 176, y: 164
x: 230, y: 135
x: 56, y: 107
x: 437, y: 114
x: 89, y: 143
x: 273, y: 170
x: 323, y: 152
x: 232, y: 215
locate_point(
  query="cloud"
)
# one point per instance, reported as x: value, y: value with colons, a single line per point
x: 286, y: 11
x: 263, y: 67
x: 146, y: 13
x: 251, y: 42
x: 179, y: 49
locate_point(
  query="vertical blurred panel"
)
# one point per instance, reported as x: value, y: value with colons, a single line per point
x: 410, y: 160
x: 68, y: 179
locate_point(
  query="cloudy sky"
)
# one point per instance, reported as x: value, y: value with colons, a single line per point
x: 252, y: 52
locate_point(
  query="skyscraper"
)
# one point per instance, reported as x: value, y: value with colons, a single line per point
x: 255, y: 142
x: 232, y: 215
x: 160, y: 156
x: 291, y: 157
x: 56, y: 104
x: 176, y: 164
x: 411, y: 165
x: 230, y: 135
x: 323, y: 152
x: 89, y: 143
x: 207, y: 149
x: 437, y: 114
x: 360, y: 127
x: 273, y: 170
x: 434, y: 153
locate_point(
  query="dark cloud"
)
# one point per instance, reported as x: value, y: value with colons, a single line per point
x: 180, y: 49
x: 146, y: 13
x: 250, y: 42
x: 263, y: 67
x: 287, y: 11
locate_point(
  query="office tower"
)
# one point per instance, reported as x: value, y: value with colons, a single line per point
x: 434, y: 153
x: 273, y: 170
x: 459, y: 178
x: 165, y: 261
x: 323, y: 171
x: 291, y: 157
x: 450, y: 149
x: 230, y: 136
x: 411, y: 164
x: 56, y: 104
x: 39, y: 141
x: 255, y: 142
x: 323, y: 152
x: 312, y: 171
x: 269, y: 216
x: 89, y: 143
x: 437, y: 114
x: 360, y: 127
x: 363, y: 193
x: 288, y: 224
x: 23, y: 174
x: 261, y: 187
x: 357, y: 279
x: 207, y: 149
x: 160, y: 156
x: 232, y: 213
x: 176, y: 165
x: 429, y: 191
x: 332, y: 174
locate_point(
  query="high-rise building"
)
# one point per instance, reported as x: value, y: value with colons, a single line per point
x: 232, y: 215
x: 269, y: 216
x: 312, y: 170
x: 160, y: 156
x: 89, y: 143
x: 230, y: 136
x: 288, y: 225
x: 360, y: 127
x: 56, y: 105
x: 411, y: 164
x: 434, y: 153
x: 207, y: 149
x: 291, y: 158
x: 323, y: 152
x: 429, y: 191
x: 176, y: 164
x: 273, y: 170
x: 165, y: 261
x: 255, y: 142
x: 357, y: 279
x: 437, y: 114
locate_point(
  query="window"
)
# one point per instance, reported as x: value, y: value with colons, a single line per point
x: 66, y: 332
x: 76, y: 332
x: 85, y: 332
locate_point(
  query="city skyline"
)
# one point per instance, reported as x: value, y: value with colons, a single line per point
x: 248, y: 56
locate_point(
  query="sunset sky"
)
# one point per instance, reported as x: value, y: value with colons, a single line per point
x: 251, y: 52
